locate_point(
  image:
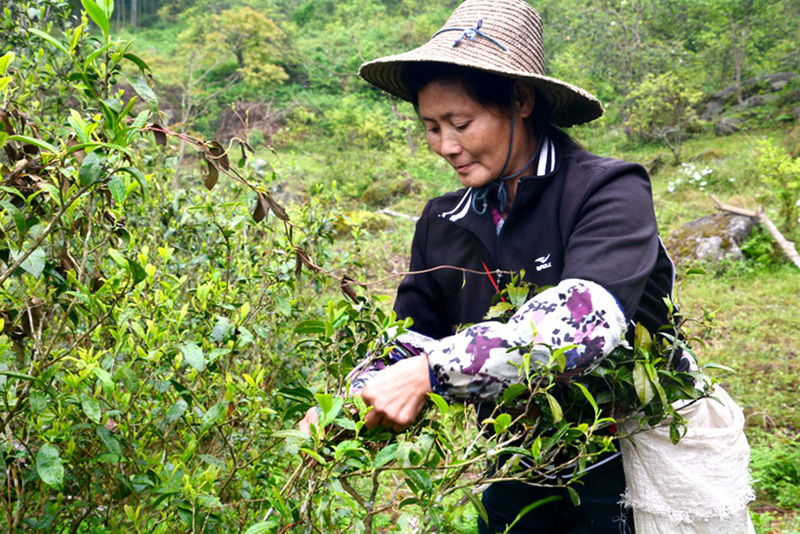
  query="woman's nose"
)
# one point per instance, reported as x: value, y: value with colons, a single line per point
x: 450, y: 145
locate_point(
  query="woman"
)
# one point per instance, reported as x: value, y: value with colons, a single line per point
x: 533, y: 201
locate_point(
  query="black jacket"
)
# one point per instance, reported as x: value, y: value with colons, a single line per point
x: 591, y: 218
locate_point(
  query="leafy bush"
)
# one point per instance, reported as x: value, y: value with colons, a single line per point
x: 776, y: 469
x: 663, y: 108
x: 780, y: 174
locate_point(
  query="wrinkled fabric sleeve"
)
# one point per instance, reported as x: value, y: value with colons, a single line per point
x: 406, y: 345
x: 480, y: 362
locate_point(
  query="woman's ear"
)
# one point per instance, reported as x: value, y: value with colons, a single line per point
x: 524, y: 99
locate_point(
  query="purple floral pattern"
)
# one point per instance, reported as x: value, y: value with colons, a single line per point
x: 480, y: 362
x: 483, y: 360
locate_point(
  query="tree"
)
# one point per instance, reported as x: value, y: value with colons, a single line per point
x: 662, y: 108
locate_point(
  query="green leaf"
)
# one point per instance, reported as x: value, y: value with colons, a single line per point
x: 221, y: 329
x: 440, y: 403
x: 137, y: 175
x: 332, y: 411
x: 97, y: 15
x: 477, y: 504
x: 642, y: 339
x: 129, y: 378
x: 555, y: 408
x: 116, y: 186
x: 21, y: 376
x: 696, y: 271
x: 33, y: 141
x: 675, y: 432
x: 573, y: 495
x: 176, y: 411
x: 76, y: 36
x: 513, y: 391
x: 193, y: 355
x: 719, y: 366
x: 5, y: 61
x: 142, y: 89
x: 95, y: 54
x: 213, y: 460
x: 136, y: 270
x: 34, y: 263
x: 91, y: 408
x: 143, y: 66
x: 641, y: 381
x: 104, y: 378
x: 91, y: 170
x: 212, y: 416
x: 385, y: 455
x: 38, y: 402
x: 501, y: 423
x: 283, y: 306
x: 533, y: 506
x: 17, y: 217
x: 421, y: 480
x: 50, y: 39
x: 589, y: 398
x: 49, y: 466
x: 312, y: 326
x: 292, y: 433
x: 258, y: 528
x: 109, y: 440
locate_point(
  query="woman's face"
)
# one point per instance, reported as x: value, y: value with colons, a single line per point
x: 472, y: 138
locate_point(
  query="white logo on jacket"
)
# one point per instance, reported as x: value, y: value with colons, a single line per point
x: 543, y: 263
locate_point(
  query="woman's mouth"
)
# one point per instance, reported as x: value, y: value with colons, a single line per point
x: 463, y: 169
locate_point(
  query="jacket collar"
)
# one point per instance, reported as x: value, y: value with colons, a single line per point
x: 545, y: 164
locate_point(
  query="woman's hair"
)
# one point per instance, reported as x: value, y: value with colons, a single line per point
x: 488, y: 89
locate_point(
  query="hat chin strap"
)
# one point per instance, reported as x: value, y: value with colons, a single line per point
x: 482, y: 192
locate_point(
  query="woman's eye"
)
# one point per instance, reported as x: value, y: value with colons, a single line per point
x: 433, y: 130
x: 462, y: 127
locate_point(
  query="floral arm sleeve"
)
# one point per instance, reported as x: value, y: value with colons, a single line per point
x: 476, y: 364
x: 406, y: 345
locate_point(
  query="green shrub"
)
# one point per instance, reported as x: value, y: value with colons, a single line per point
x: 776, y: 469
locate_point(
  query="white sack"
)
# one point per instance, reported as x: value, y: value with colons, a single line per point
x: 699, y: 486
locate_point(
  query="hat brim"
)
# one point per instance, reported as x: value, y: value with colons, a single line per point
x: 569, y: 104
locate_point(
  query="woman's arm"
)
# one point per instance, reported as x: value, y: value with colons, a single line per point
x: 483, y: 360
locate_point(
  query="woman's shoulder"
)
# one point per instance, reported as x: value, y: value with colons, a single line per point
x: 580, y: 159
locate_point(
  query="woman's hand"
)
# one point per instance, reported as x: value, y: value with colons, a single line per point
x: 311, y: 417
x: 397, y: 394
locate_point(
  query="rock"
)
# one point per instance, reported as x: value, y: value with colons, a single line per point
x: 769, y: 83
x: 759, y: 100
x: 710, y: 238
x: 728, y: 126
x: 713, y: 109
x: 796, y: 114
x: 382, y: 193
x: 362, y: 220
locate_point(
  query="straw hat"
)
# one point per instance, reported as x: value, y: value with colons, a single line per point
x: 499, y: 36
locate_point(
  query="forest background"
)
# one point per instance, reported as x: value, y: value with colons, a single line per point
x: 188, y: 184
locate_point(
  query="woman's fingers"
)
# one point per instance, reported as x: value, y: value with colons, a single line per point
x: 397, y: 394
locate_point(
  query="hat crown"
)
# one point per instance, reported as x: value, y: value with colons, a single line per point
x: 497, y: 36
x: 514, y: 24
